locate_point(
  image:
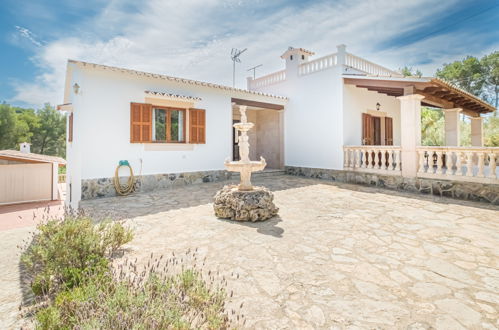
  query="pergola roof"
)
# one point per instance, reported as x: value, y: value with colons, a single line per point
x: 437, y: 92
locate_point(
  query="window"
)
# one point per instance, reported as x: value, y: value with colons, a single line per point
x: 169, y: 125
x: 150, y: 123
x: 291, y: 57
x: 303, y: 57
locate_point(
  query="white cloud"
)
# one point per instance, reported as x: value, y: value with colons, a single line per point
x: 30, y: 36
x: 193, y: 39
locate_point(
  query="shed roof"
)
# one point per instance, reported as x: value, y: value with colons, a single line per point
x: 30, y: 157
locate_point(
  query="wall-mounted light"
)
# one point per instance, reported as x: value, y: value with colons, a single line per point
x: 378, y: 106
x: 76, y: 88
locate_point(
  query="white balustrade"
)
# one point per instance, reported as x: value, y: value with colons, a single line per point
x: 316, y: 65
x: 366, y: 66
x: 475, y: 164
x: 374, y: 159
x: 268, y: 80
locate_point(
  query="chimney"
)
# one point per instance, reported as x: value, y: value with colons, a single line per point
x: 25, y: 147
x: 294, y: 57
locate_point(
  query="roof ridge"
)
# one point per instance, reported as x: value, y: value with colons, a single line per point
x: 177, y: 79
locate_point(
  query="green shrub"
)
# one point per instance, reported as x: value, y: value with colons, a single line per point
x: 69, y: 263
x: 153, y: 299
x: 63, y: 252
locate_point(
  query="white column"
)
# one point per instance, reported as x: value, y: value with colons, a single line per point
x: 452, y: 133
x: 477, y: 131
x: 410, y: 135
x: 341, y: 54
x: 55, y: 181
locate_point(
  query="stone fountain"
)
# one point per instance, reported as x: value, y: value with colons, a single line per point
x: 244, y: 202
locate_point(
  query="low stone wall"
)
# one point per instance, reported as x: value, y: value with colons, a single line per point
x: 104, y: 187
x: 456, y: 189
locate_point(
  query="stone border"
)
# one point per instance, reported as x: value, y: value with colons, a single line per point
x: 104, y: 187
x: 480, y: 192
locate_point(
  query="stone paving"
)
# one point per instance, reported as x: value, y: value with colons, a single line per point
x: 338, y: 256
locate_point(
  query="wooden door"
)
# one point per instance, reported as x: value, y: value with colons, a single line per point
x: 367, y: 129
x: 388, y: 131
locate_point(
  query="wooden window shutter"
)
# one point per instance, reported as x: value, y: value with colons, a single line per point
x: 367, y: 129
x: 140, y: 122
x: 388, y: 131
x: 197, y: 126
x: 70, y: 128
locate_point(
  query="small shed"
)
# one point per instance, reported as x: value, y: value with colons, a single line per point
x: 28, y: 177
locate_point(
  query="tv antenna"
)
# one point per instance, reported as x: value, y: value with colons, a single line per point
x: 234, y: 55
x: 254, y: 70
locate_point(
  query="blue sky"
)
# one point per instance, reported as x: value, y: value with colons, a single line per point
x: 193, y: 38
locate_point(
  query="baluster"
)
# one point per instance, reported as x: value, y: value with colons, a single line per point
x: 439, y: 162
x: 377, y: 161
x: 492, y: 165
x: 345, y: 161
x: 481, y: 156
x: 459, y: 169
x: 469, y: 163
x: 396, y: 159
x: 390, y: 160
x: 368, y: 159
x: 372, y: 157
x: 352, y: 158
x: 421, y: 168
x: 357, y: 158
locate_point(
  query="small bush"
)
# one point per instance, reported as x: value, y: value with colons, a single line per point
x: 63, y: 251
x: 69, y: 263
x: 159, y: 297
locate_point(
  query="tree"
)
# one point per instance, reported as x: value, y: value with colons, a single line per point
x: 432, y: 127
x: 49, y: 135
x: 490, y: 67
x: 12, y: 130
x: 409, y: 72
x: 467, y: 74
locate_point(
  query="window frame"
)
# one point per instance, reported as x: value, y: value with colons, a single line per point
x: 168, y: 111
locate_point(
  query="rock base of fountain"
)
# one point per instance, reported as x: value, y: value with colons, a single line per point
x: 253, y: 205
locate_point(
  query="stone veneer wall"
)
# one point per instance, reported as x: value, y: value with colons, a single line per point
x: 456, y: 189
x: 104, y: 187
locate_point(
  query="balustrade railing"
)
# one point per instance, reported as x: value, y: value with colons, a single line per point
x: 269, y: 79
x: 459, y: 163
x: 316, y: 65
x: 378, y: 159
x: 369, y: 67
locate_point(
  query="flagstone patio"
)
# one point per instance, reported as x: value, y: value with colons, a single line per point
x: 338, y: 256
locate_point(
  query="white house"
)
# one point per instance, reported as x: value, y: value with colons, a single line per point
x: 329, y: 117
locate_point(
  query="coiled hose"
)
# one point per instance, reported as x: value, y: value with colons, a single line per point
x: 129, y: 186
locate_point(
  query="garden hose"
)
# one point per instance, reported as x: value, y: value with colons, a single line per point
x: 129, y: 186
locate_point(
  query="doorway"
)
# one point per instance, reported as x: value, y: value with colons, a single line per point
x: 235, y: 143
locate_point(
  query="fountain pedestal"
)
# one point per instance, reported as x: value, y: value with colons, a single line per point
x: 244, y: 202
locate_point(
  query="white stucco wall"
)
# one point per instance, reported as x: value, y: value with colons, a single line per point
x: 360, y: 100
x: 313, y: 119
x: 101, y: 127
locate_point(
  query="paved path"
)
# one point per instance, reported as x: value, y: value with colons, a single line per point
x: 338, y: 256
x: 28, y: 214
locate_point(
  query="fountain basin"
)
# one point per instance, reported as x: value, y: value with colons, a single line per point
x: 238, y: 166
x: 254, y: 205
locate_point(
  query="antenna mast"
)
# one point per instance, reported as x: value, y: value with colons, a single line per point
x: 234, y: 55
x: 254, y: 70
